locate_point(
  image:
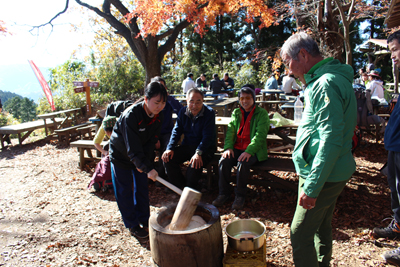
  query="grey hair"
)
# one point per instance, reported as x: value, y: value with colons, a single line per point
x: 194, y: 90
x: 298, y: 41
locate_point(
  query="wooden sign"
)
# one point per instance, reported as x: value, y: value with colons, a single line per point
x: 90, y: 84
x: 93, y: 84
x: 79, y: 89
x: 78, y: 83
x: 85, y: 87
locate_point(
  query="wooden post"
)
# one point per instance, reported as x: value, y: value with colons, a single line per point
x: 87, y: 91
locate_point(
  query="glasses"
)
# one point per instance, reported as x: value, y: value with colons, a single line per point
x: 245, y: 97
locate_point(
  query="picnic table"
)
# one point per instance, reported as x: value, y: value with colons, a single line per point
x: 64, y: 123
x: 224, y: 106
x: 274, y: 93
x: 97, y: 121
x: 27, y: 127
x: 267, y: 104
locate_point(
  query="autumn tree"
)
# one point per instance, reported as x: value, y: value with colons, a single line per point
x: 330, y: 20
x: 151, y: 28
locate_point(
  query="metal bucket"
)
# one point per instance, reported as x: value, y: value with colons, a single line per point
x: 245, y: 235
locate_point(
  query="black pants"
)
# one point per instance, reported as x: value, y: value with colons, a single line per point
x: 159, y: 166
x: 243, y: 172
x: 393, y: 177
x: 174, y: 172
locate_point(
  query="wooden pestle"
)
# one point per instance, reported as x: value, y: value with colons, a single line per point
x: 185, y: 209
x: 186, y: 206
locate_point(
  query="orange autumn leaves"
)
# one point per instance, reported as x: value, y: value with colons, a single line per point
x: 155, y: 16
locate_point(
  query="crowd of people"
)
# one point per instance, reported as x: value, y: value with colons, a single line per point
x: 215, y: 86
x: 322, y: 155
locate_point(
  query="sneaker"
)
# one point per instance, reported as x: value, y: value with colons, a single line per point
x: 220, y: 200
x: 392, y: 257
x: 238, y: 204
x: 391, y: 231
x: 139, y: 232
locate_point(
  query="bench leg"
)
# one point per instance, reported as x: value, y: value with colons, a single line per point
x: 2, y: 137
x: 81, y: 157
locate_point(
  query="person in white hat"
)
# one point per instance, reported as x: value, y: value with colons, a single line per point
x: 375, y: 85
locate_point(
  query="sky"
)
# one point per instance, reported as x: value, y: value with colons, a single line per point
x: 47, y: 47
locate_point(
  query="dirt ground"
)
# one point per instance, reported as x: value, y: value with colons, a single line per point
x: 49, y: 218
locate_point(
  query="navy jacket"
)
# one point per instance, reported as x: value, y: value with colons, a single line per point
x: 216, y: 86
x: 392, y: 131
x: 198, y: 131
x: 134, y: 137
x: 172, y: 106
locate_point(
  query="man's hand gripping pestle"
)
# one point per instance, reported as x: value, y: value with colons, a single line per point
x: 186, y: 206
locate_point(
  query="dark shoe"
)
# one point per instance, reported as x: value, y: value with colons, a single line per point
x: 238, y: 204
x: 392, y: 257
x: 139, y: 232
x: 391, y: 231
x: 145, y: 226
x: 220, y: 200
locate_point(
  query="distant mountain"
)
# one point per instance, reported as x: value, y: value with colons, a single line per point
x: 4, y: 96
x: 20, y: 79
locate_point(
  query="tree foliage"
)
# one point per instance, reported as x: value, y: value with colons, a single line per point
x: 23, y: 109
x: 5, y: 95
x: 152, y: 27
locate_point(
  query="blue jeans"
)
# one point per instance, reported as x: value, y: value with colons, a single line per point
x: 132, y: 195
x: 393, y: 177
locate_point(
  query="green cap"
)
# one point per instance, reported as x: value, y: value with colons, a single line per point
x: 109, y: 122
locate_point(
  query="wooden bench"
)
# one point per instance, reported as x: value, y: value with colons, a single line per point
x: 88, y: 129
x: 86, y: 145
x: 69, y: 133
x: 263, y: 170
x: 25, y: 127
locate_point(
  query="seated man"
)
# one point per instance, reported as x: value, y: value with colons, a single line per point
x: 245, y: 145
x: 216, y: 84
x: 188, y: 83
x: 271, y: 83
x: 228, y: 81
x: 201, y: 82
x: 197, y: 123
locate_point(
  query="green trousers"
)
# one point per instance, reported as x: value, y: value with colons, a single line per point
x: 311, y: 230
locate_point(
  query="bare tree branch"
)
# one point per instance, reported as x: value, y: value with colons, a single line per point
x: 51, y: 20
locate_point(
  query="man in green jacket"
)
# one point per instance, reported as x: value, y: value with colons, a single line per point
x: 245, y: 145
x: 322, y: 154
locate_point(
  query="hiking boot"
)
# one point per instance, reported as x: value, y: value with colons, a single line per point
x: 139, y: 232
x: 392, y: 257
x: 220, y: 200
x: 238, y: 204
x: 390, y: 231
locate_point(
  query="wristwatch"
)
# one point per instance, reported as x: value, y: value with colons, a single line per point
x: 199, y: 152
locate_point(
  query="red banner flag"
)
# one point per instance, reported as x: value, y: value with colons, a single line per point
x: 43, y: 83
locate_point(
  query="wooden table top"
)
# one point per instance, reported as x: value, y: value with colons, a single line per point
x: 57, y: 113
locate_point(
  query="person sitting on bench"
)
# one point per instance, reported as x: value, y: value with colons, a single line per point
x: 106, y: 130
x: 197, y: 124
x: 245, y: 145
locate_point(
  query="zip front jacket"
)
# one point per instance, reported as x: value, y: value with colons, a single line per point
x: 259, y: 127
x: 134, y: 137
x: 324, y: 138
